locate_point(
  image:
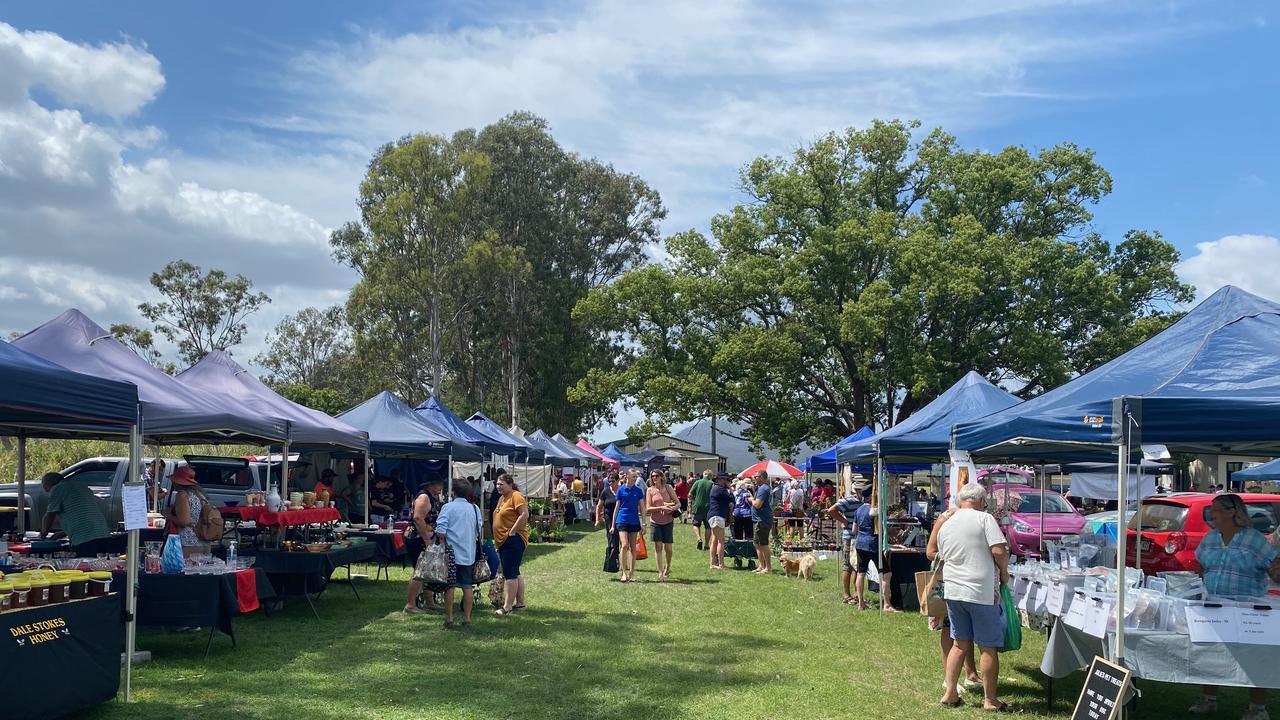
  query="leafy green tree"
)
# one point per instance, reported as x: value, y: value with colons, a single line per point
x: 869, y: 271
x: 326, y: 400
x: 142, y: 342
x: 308, y: 348
x: 201, y: 312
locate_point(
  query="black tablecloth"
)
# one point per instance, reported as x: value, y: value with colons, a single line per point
x: 385, y: 550
x: 300, y: 573
x: 61, y: 658
x: 191, y: 600
x: 904, y: 566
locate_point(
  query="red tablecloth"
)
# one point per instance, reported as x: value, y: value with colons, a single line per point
x: 260, y: 515
x: 247, y: 590
x: 20, y: 548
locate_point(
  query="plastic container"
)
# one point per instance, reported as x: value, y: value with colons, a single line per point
x: 99, y: 583
x: 59, y: 589
x: 6, y: 595
x: 78, y: 584
x: 21, y: 590
x: 39, y: 596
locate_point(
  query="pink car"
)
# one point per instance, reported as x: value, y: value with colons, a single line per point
x: 1022, y: 526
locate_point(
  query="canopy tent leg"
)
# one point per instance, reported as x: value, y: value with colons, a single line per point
x: 284, y: 469
x: 22, y: 483
x: 131, y: 568
x: 365, y: 473
x: 878, y: 501
x: 1121, y: 549
x: 1042, y: 543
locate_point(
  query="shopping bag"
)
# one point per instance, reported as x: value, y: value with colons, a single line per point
x: 642, y: 550
x: 433, y: 565
x: 1012, y: 621
x: 611, y: 555
x: 497, y: 590
x: 928, y: 591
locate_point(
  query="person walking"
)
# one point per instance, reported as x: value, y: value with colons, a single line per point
x: 943, y: 625
x: 762, y: 516
x: 511, y: 533
x: 682, y: 494
x: 605, y: 506
x: 426, y: 508
x: 844, y: 511
x: 719, y: 506
x: 975, y: 560
x: 699, y: 497
x: 626, y: 523
x: 660, y: 501
x: 460, y: 524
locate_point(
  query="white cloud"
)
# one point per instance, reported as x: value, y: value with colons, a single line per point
x: 1250, y: 262
x: 116, y: 79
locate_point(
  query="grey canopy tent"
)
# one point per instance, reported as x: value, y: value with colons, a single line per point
x: 526, y: 451
x: 556, y: 455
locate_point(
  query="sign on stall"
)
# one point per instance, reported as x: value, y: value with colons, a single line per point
x: 1212, y: 623
x: 1042, y: 597
x: 135, y: 506
x: 1096, y: 613
x: 1057, y: 599
x: 1259, y: 625
x: 1075, y: 614
x: 1103, y: 691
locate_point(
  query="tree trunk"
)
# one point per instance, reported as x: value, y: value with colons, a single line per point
x: 513, y: 340
x: 437, y: 351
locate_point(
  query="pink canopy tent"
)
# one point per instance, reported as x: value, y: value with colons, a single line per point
x: 607, y: 461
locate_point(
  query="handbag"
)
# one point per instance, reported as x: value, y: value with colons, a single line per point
x: 497, y: 590
x: 480, y: 572
x: 642, y: 550
x: 433, y: 565
x: 929, y: 593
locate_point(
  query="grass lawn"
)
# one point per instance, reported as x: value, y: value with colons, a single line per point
x: 705, y: 645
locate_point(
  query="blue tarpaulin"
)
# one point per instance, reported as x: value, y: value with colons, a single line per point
x: 444, y: 421
x: 525, y: 450
x: 925, y: 436
x: 219, y: 374
x: 43, y: 399
x: 395, y: 430
x: 1208, y: 383
x: 172, y: 413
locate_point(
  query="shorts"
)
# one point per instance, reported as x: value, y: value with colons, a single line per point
x: 700, y: 519
x: 629, y: 528
x: 715, y: 521
x: 983, y: 624
x: 414, y: 546
x: 684, y: 504
x: 847, y: 554
x: 762, y: 533
x: 463, y: 577
x: 662, y: 533
x: 865, y: 558
x: 511, y: 554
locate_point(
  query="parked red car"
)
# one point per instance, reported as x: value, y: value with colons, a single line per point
x: 1174, y: 525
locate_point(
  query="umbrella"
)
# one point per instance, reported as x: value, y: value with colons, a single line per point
x: 773, y: 469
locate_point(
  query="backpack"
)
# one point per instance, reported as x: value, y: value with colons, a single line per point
x: 209, y: 527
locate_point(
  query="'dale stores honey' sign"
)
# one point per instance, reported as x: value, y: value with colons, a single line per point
x: 40, y: 632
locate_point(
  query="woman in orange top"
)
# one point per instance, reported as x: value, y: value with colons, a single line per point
x: 660, y: 501
x: 511, y: 533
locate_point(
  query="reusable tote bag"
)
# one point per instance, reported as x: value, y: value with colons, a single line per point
x: 1012, y: 621
x: 929, y: 592
x: 642, y: 550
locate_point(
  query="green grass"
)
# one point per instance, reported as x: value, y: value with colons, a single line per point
x: 706, y: 645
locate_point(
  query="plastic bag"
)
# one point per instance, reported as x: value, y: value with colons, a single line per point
x: 1012, y: 622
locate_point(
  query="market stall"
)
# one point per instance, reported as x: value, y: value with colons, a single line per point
x: 200, y: 600
x: 306, y: 570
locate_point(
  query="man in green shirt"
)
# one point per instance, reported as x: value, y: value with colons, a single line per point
x: 699, y: 503
x: 75, y: 508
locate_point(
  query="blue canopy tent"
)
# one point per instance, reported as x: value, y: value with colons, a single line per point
x: 525, y: 450
x: 443, y: 419
x: 1268, y: 472
x: 623, y: 459
x: 925, y: 436
x: 397, y: 433
x: 555, y: 455
x: 652, y: 459
x: 1209, y: 383
x: 564, y: 442
x: 827, y: 461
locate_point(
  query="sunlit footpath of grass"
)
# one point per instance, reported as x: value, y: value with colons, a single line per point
x: 706, y: 645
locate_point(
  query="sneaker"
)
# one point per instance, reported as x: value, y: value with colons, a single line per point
x: 1256, y: 713
x: 1204, y: 706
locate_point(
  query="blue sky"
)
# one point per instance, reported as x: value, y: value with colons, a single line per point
x: 234, y: 133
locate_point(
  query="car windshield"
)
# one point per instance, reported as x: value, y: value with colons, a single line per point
x: 1264, y: 516
x: 1052, y: 504
x: 1161, y: 517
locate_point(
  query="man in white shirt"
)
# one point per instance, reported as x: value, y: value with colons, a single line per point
x: 459, y: 524
x: 975, y: 554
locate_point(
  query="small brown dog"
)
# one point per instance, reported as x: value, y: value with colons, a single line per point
x: 802, y: 568
x: 791, y: 567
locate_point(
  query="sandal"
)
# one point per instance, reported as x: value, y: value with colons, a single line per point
x: 503, y: 611
x: 448, y: 624
x: 848, y: 600
x: 957, y: 703
x: 517, y: 607
x: 1002, y: 707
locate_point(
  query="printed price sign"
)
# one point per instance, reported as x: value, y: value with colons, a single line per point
x: 1057, y: 599
x: 1103, y: 691
x: 1075, y: 615
x: 1042, y: 597
x: 135, y: 506
x: 1212, y: 623
x: 1096, y: 613
x: 1259, y: 625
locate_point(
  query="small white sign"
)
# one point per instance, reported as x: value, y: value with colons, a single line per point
x: 1258, y: 626
x: 1096, y: 613
x: 1212, y: 624
x: 135, y: 506
x: 1075, y: 614
x: 1042, y: 597
x: 1057, y: 599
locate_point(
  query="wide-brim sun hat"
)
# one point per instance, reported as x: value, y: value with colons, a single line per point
x: 183, y: 475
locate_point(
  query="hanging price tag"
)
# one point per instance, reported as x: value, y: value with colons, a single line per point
x: 1057, y: 599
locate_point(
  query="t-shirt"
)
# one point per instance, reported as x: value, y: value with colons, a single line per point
x: 682, y: 490
x: 1238, y: 568
x: 865, y: 523
x: 656, y: 498
x: 720, y: 502
x: 504, y: 518
x: 742, y: 503
x: 797, y: 498
x: 848, y: 507
x: 391, y: 496
x: 964, y: 543
x: 629, y: 497
x: 700, y: 495
x: 763, y: 515
x: 459, y: 522
x: 78, y: 513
